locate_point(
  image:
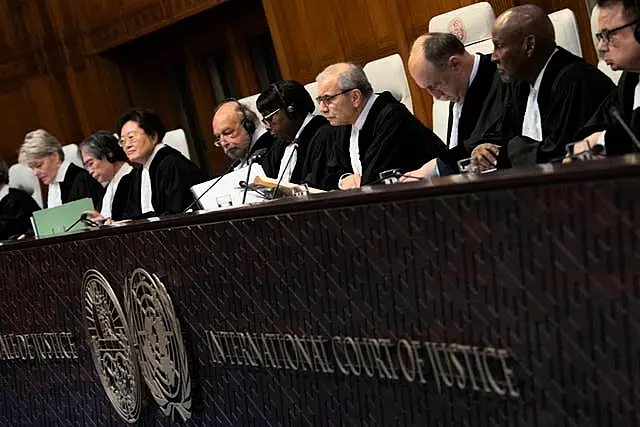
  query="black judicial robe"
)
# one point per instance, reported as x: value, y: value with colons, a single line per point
x: 570, y: 92
x: 474, y: 101
x: 16, y: 209
x: 172, y: 176
x: 617, y: 141
x: 265, y: 141
x: 271, y: 163
x: 391, y: 138
x: 79, y: 184
x: 121, y: 197
x: 328, y: 158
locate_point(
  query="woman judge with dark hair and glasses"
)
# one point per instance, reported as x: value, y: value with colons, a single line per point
x: 105, y: 160
x: 287, y: 111
x: 162, y: 183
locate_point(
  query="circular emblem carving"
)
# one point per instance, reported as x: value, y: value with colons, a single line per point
x: 456, y: 27
x: 161, y: 353
x: 110, y: 343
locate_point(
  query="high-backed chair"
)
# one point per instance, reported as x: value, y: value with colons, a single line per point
x: 72, y: 154
x: 472, y: 25
x: 566, y: 29
x: 602, y: 66
x: 177, y: 139
x: 23, y: 178
x: 388, y: 74
x: 250, y: 101
x: 312, y: 88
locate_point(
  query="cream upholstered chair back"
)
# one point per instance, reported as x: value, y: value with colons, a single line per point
x: 472, y: 25
x: 388, y: 74
x: 602, y: 66
x: 566, y: 28
x: 177, y: 139
x: 23, y: 178
x: 312, y: 88
x: 72, y: 154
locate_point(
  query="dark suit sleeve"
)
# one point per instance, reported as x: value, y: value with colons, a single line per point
x: 85, y: 186
x: 575, y: 98
x: 400, y: 141
x: 271, y: 162
x: 175, y: 178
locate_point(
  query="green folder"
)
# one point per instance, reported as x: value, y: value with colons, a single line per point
x: 52, y: 221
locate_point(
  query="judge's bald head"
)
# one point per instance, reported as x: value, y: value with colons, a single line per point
x: 523, y: 40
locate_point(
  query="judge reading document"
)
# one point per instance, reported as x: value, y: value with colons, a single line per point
x: 554, y: 94
x: 16, y: 207
x: 382, y: 133
x: 287, y: 111
x: 66, y: 182
x: 619, y: 41
x: 161, y: 184
x: 440, y: 64
x: 105, y: 160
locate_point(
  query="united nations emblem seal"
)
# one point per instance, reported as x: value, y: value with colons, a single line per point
x: 157, y: 334
x: 456, y: 27
x: 111, y: 345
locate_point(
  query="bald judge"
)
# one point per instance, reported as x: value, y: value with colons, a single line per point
x: 382, y: 133
x: 551, y: 94
x: 440, y: 64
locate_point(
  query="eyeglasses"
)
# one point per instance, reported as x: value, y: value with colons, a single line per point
x: 605, y: 35
x: 130, y: 137
x: 328, y: 98
x: 266, y: 120
x: 227, y: 133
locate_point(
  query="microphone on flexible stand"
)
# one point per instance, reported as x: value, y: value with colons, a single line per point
x: 286, y: 166
x: 229, y: 169
x: 84, y: 218
x: 616, y: 114
x: 257, y: 156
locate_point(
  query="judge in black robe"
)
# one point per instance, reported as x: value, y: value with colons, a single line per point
x: 161, y: 184
x: 172, y: 176
x: 79, y: 184
x: 300, y: 175
x: 474, y: 101
x: 570, y: 91
x: 621, y: 100
x: 16, y: 209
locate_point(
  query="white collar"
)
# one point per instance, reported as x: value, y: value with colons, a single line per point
x: 304, y: 123
x: 62, y: 171
x: 365, y: 112
x: 157, y: 148
x: 4, y: 191
x: 256, y: 135
x: 536, y: 85
x: 636, y: 97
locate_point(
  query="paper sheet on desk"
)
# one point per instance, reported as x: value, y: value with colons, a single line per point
x: 228, y: 193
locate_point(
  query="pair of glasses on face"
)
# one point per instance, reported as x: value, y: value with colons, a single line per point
x: 266, y: 120
x: 605, y: 35
x: 326, y: 99
x: 130, y: 137
x: 227, y: 133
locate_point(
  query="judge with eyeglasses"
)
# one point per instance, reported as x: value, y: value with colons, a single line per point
x: 161, y: 184
x: 619, y: 42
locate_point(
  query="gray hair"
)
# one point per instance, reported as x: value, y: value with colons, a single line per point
x: 38, y: 144
x: 353, y: 77
x: 4, y: 172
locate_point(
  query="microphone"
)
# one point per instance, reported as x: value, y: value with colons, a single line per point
x: 390, y: 176
x: 229, y: 169
x: 251, y: 160
x: 286, y: 166
x: 84, y: 218
x: 616, y: 113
